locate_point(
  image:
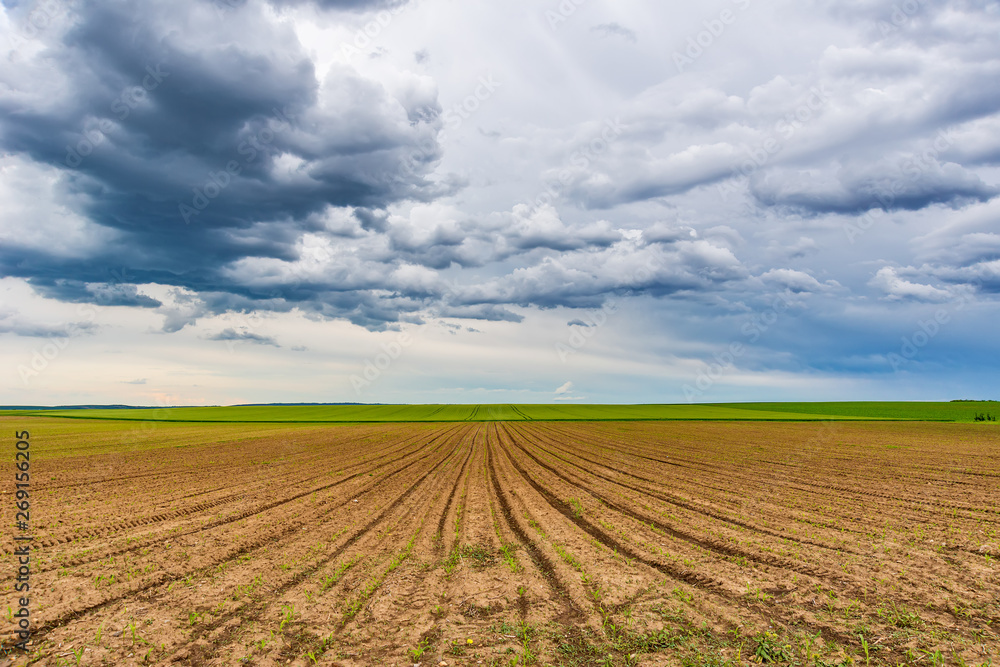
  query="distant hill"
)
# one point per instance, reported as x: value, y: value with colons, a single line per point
x: 77, y: 407
x: 266, y: 405
x: 153, y: 407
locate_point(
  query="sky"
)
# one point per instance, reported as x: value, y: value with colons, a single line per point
x: 210, y: 202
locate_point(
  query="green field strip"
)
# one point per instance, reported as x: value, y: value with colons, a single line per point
x: 910, y: 411
x: 520, y: 412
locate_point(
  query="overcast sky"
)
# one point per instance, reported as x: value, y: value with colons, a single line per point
x: 226, y: 201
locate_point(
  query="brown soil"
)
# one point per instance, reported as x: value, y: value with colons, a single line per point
x: 515, y: 543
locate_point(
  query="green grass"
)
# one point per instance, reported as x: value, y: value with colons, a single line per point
x: 910, y: 411
x: 961, y: 411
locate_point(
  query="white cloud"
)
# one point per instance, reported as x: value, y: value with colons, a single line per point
x: 796, y: 281
x: 896, y: 288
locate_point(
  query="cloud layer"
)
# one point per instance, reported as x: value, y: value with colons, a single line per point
x: 354, y: 160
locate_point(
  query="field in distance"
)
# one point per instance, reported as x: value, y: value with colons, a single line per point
x: 913, y: 411
x: 512, y: 543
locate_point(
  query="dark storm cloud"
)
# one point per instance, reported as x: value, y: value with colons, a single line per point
x: 856, y: 188
x: 661, y: 233
x: 534, y: 234
x: 372, y: 221
x: 102, y: 294
x: 244, y: 336
x: 205, y: 146
x: 203, y: 139
x: 488, y: 312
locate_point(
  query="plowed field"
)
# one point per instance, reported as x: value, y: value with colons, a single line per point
x: 501, y: 543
